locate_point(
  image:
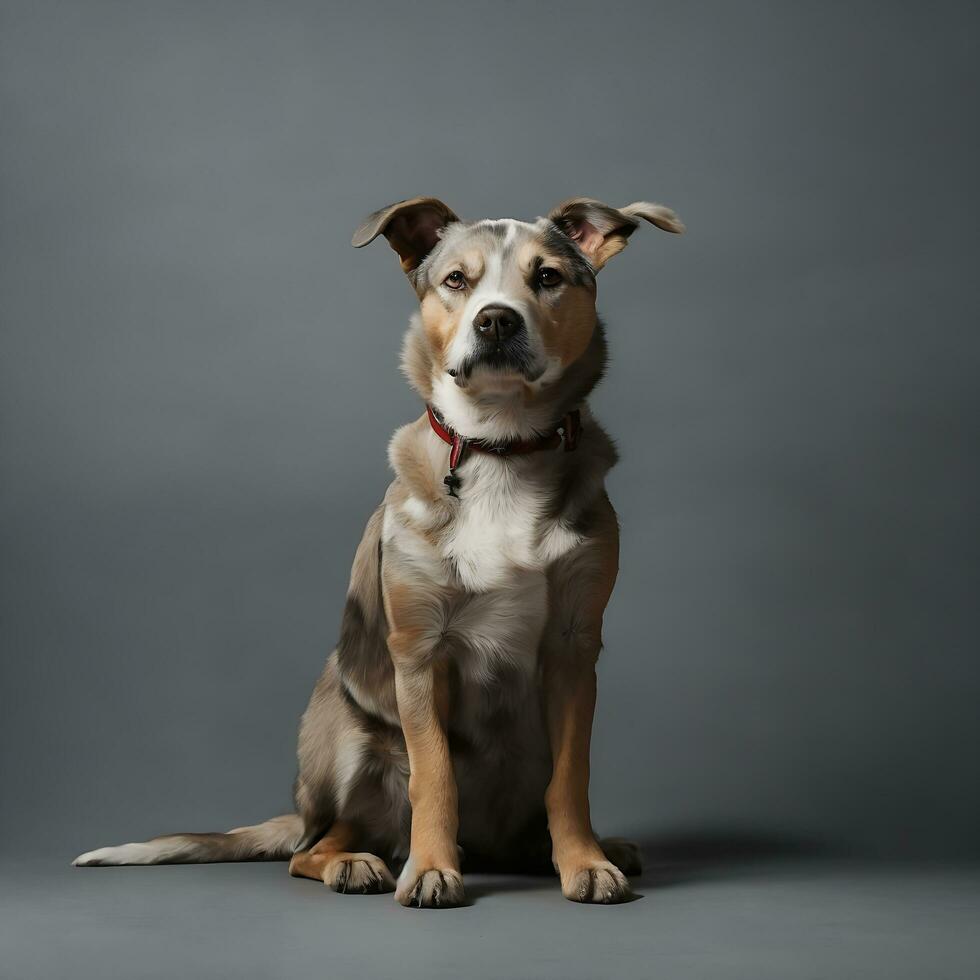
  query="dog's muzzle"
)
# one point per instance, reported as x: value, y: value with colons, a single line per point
x: 501, y: 344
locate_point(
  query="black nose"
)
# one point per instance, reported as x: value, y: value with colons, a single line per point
x: 497, y: 323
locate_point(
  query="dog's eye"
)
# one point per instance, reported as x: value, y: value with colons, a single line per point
x: 548, y: 277
x: 455, y: 280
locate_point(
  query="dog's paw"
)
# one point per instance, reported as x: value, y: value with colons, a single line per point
x: 624, y: 854
x: 435, y: 888
x: 359, y: 874
x: 597, y: 883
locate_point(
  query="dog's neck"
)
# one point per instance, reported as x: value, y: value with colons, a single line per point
x: 493, y: 416
x: 567, y: 433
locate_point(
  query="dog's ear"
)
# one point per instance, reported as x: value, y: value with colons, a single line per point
x: 601, y: 231
x: 411, y: 227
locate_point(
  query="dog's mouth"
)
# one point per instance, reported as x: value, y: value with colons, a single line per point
x: 510, y: 360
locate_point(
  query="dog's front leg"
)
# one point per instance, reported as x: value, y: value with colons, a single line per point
x: 586, y: 874
x: 431, y: 877
x: 580, y: 587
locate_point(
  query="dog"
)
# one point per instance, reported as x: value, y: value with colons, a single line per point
x: 454, y: 717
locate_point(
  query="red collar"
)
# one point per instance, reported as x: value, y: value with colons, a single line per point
x: 568, y: 431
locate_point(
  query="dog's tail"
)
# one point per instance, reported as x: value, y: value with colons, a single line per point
x: 274, y: 840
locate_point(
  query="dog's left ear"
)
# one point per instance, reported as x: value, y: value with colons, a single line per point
x: 411, y: 227
x: 601, y: 231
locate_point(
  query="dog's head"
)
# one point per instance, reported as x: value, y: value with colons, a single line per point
x: 507, y: 337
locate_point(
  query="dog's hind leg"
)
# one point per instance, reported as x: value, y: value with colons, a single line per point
x: 333, y: 861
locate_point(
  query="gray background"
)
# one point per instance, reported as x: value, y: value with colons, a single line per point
x: 199, y: 378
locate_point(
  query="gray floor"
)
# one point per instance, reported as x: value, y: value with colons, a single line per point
x: 745, y: 918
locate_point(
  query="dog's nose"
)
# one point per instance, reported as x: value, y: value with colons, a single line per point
x: 497, y: 322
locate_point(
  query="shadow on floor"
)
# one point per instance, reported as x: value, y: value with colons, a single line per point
x: 698, y: 855
x: 672, y: 859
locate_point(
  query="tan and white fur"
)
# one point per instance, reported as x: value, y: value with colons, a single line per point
x: 455, y: 715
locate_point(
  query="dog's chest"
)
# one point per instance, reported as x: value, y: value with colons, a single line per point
x: 504, y: 526
x: 486, y: 567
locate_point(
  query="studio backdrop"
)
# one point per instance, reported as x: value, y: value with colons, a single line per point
x: 200, y: 377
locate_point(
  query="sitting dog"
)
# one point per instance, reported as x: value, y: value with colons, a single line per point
x: 455, y: 715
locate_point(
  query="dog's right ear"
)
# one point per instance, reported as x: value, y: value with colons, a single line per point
x: 411, y: 227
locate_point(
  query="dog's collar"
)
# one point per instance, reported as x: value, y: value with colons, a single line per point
x: 567, y: 432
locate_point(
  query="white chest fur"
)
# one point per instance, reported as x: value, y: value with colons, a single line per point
x: 503, y: 525
x: 490, y: 558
